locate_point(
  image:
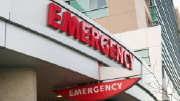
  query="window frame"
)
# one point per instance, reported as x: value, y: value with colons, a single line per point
x: 144, y: 56
x: 88, y: 11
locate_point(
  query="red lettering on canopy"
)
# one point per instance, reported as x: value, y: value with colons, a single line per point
x: 99, y: 91
x: 119, y: 54
x: 89, y: 35
x: 112, y: 49
x: 53, y: 16
x: 104, y: 48
x: 131, y: 60
x: 125, y: 54
x: 94, y: 38
x: 84, y: 33
x: 70, y: 23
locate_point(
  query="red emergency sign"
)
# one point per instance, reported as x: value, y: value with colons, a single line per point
x: 88, y: 35
x: 97, y: 91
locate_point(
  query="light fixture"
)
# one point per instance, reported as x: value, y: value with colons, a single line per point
x: 59, y: 96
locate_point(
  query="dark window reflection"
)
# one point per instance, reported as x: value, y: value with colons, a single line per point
x: 95, y: 4
x: 68, y: 2
x: 101, y: 3
x: 80, y: 5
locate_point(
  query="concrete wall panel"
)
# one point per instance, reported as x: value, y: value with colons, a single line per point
x: 154, y: 36
x: 122, y: 16
x: 135, y: 39
x: 5, y: 8
x: 104, y: 22
x: 140, y: 22
x: 141, y: 9
x: 123, y: 22
x: 2, y: 33
x: 150, y: 82
x: 126, y: 37
x: 18, y: 85
x: 31, y: 10
x: 123, y: 6
x: 156, y: 62
x: 39, y: 47
x: 141, y: 39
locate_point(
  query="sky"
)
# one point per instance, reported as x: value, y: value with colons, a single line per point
x: 177, y: 3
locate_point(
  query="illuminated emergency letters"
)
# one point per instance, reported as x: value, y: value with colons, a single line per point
x: 80, y: 30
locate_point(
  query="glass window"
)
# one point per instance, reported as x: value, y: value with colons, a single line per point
x: 98, y: 13
x: 80, y: 5
x: 91, y: 8
x: 101, y: 3
x: 153, y: 10
x: 93, y: 4
x: 146, y: 59
x: 155, y: 23
x: 154, y: 17
x: 151, y: 2
x: 163, y: 72
x: 143, y: 53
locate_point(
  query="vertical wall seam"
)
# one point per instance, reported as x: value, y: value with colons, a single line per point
x: 5, y: 36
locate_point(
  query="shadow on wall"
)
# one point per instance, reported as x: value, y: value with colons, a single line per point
x: 123, y: 97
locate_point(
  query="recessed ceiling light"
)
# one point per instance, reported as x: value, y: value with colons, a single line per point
x: 59, y: 96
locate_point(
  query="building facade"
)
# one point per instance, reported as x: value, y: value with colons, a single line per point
x: 130, y: 15
x: 52, y: 44
x: 166, y: 17
x: 178, y: 18
x: 147, y: 44
x: 116, y: 16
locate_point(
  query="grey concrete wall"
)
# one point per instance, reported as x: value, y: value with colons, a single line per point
x: 18, y: 85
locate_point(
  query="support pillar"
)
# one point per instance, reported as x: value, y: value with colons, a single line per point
x: 18, y: 84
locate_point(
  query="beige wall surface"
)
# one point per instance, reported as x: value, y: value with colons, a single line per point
x: 147, y: 38
x: 156, y: 62
x: 136, y: 40
x: 178, y: 18
x: 141, y: 9
x: 153, y: 36
x: 142, y: 38
x: 122, y: 16
x: 125, y: 15
x: 122, y: 22
x: 104, y: 22
x: 120, y: 6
